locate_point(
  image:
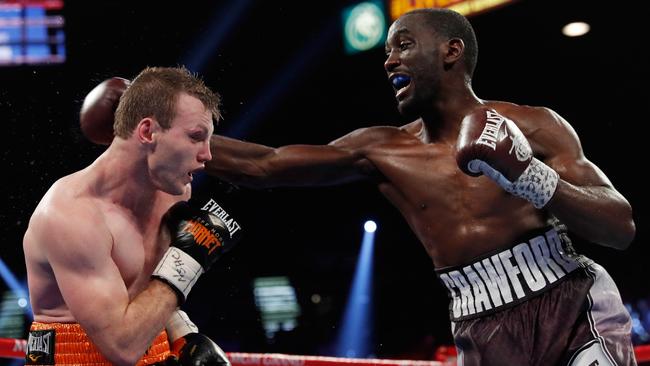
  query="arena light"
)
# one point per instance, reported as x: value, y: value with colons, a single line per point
x: 370, y: 226
x: 276, y: 300
x: 576, y: 29
x: 639, y: 312
x: 364, y: 26
x: 465, y: 7
x: 12, y: 315
x: 20, y: 290
x: 355, y: 332
x: 32, y: 32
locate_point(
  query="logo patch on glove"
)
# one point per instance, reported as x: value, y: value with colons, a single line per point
x: 490, y: 134
x: 521, y: 147
x: 213, y: 207
x: 202, y: 235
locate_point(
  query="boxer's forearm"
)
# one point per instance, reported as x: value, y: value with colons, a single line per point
x: 598, y: 214
x: 260, y: 166
x: 124, y: 333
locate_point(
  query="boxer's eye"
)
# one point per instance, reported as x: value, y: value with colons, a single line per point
x: 404, y: 45
x: 198, y: 136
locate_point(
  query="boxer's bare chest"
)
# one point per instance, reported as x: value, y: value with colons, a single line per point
x: 138, y: 245
x: 455, y: 216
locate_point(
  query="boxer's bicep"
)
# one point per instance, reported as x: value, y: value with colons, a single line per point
x: 561, y: 148
x: 579, y: 171
x: 78, y: 247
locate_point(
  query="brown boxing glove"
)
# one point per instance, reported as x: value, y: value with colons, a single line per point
x: 98, y: 110
x: 491, y: 144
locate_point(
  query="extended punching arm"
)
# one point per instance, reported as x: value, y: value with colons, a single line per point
x: 246, y: 163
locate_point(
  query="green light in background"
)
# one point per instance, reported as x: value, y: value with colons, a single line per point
x: 12, y: 319
x: 277, y: 302
x: 364, y: 26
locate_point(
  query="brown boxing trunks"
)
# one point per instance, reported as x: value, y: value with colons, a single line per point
x: 537, y: 303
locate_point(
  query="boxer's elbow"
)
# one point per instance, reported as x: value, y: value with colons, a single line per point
x: 123, y: 357
x: 615, y: 227
x: 121, y: 353
x: 619, y: 237
x: 125, y: 361
x: 627, y: 230
x: 626, y: 235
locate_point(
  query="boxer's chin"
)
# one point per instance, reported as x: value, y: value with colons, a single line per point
x: 408, y: 109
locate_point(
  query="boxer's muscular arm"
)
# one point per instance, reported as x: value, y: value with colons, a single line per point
x: 246, y: 163
x: 79, y: 252
x: 255, y: 165
x: 585, y: 199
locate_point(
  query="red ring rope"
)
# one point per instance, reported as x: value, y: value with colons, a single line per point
x: 15, y: 348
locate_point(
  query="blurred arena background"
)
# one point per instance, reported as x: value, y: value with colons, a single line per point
x: 285, y: 77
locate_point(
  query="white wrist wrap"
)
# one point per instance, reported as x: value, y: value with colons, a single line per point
x: 179, y: 324
x: 179, y: 270
x: 536, y: 184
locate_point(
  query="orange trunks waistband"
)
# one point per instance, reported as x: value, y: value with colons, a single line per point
x: 68, y: 344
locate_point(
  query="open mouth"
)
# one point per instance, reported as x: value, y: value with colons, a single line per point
x: 190, y: 174
x: 400, y: 83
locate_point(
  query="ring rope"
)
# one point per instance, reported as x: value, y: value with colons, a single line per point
x: 15, y: 348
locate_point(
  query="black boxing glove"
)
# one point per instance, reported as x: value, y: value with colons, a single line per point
x: 196, y: 349
x: 190, y: 348
x: 98, y: 110
x: 199, y: 238
x: 491, y: 144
